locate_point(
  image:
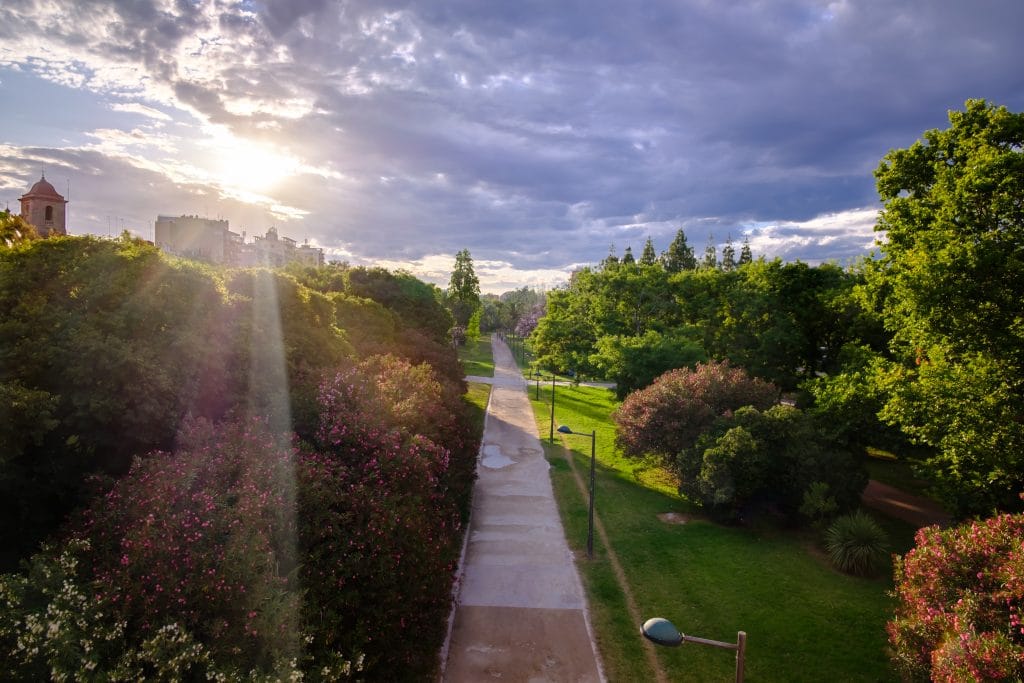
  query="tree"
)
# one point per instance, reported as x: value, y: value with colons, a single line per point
x: 671, y: 414
x: 463, y: 289
x: 950, y: 285
x: 960, y: 595
x: 648, y: 257
x: 710, y: 255
x: 14, y: 229
x: 752, y: 459
x: 728, y: 255
x: 634, y: 362
x: 679, y: 255
x: 746, y: 256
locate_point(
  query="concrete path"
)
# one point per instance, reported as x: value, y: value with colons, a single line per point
x: 520, y: 613
x: 902, y: 505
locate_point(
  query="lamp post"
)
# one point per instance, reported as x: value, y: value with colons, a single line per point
x: 663, y: 632
x: 551, y: 436
x: 590, y: 514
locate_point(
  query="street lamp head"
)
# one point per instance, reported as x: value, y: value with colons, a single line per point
x: 564, y: 429
x: 661, y: 632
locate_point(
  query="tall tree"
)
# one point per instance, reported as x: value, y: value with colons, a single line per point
x: 463, y: 289
x: 746, y: 256
x: 728, y: 255
x: 648, y: 257
x: 951, y: 285
x: 679, y: 255
x: 710, y: 254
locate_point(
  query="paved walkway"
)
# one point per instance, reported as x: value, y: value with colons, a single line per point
x: 520, y: 613
x: 902, y: 505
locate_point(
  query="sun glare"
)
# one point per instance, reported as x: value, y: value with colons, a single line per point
x: 251, y: 167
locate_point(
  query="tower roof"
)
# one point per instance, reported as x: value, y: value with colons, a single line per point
x: 43, y: 189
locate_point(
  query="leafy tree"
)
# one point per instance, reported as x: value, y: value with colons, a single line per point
x: 649, y: 257
x: 14, y: 229
x: 416, y: 303
x: 950, y: 284
x: 564, y: 338
x: 634, y: 362
x: 960, y: 599
x: 671, y: 414
x: 751, y: 460
x: 463, y: 293
x: 728, y: 255
x: 679, y: 255
x: 847, y: 403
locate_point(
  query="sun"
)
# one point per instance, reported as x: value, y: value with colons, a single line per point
x: 251, y: 167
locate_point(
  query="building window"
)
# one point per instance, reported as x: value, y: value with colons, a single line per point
x: 49, y: 213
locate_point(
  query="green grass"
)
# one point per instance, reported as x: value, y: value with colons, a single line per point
x: 477, y: 397
x: 804, y: 621
x: 476, y: 358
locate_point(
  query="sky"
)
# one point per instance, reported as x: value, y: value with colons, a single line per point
x: 539, y: 135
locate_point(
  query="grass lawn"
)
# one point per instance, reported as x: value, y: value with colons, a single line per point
x: 476, y: 358
x: 477, y: 397
x: 804, y: 621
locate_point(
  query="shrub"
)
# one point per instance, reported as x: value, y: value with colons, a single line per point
x: 960, y: 595
x: 769, y: 459
x: 856, y: 544
x: 379, y: 526
x: 205, y: 538
x: 818, y: 506
x: 184, y: 570
x: 668, y: 416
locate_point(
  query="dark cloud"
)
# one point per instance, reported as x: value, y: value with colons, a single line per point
x: 542, y: 132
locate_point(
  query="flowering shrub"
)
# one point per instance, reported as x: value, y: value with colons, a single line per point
x: 960, y: 595
x: 387, y: 393
x: 670, y: 414
x: 184, y: 569
x: 379, y: 535
x: 205, y: 537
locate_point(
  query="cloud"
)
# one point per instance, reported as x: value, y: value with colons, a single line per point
x: 534, y: 134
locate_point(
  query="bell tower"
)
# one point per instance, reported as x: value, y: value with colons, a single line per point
x: 44, y: 208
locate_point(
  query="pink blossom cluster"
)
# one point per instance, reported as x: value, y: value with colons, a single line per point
x: 379, y: 529
x: 961, y: 592
x: 205, y: 538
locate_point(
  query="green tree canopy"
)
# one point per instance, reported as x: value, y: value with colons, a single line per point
x: 463, y: 289
x: 649, y: 257
x: 950, y: 285
x: 679, y: 255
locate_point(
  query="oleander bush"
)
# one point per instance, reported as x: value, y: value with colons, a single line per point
x: 185, y: 567
x: 379, y: 528
x: 960, y: 595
